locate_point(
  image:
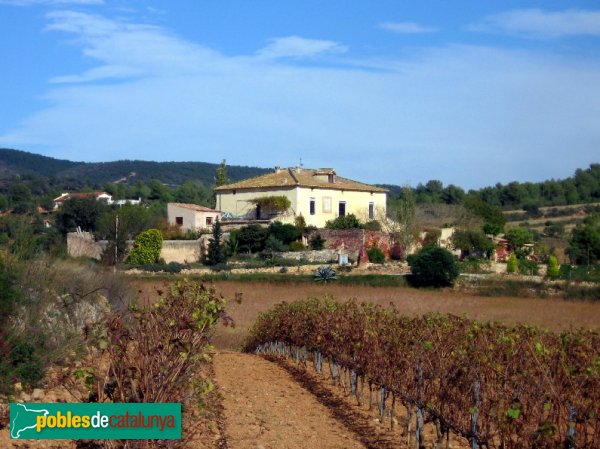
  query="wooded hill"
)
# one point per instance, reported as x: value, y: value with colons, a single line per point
x: 97, y: 174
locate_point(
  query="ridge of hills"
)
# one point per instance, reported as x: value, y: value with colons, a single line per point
x: 22, y: 163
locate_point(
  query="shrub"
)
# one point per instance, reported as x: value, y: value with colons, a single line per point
x: 528, y: 267
x: 297, y: 246
x: 317, y: 242
x: 273, y: 244
x: 285, y: 233
x: 433, y: 267
x: 325, y: 274
x: 373, y: 225
x: 146, y: 248
x: 252, y: 238
x: 376, y: 255
x: 344, y: 222
x: 512, y: 264
x: 553, y: 270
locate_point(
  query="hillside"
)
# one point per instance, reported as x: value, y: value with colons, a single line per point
x: 15, y: 162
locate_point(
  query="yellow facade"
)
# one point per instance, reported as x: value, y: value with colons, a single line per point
x: 326, y: 203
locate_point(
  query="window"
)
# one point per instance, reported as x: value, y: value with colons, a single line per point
x: 209, y: 221
x: 311, y: 206
x: 371, y: 211
x: 179, y: 221
x: 326, y: 204
x: 330, y: 178
x: 342, y: 209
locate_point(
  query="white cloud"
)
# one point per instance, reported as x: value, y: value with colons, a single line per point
x: 406, y: 28
x: 543, y: 24
x: 468, y: 115
x: 51, y: 2
x: 298, y: 47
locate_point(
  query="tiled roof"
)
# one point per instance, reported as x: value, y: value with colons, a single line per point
x: 195, y: 207
x: 303, y: 177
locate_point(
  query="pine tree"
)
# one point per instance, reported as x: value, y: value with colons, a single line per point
x: 221, y: 176
x: 216, y: 253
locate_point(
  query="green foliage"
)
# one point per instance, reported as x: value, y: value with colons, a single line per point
x: 217, y: 250
x: 553, y: 269
x: 432, y: 237
x: 285, y: 233
x: 472, y: 243
x: 221, y: 174
x: 252, y: 238
x: 273, y: 244
x: 376, y: 255
x: 518, y: 237
x: 512, y: 263
x: 372, y: 225
x: 433, y: 267
x: 317, y: 242
x: 296, y: 246
x: 272, y: 203
x: 585, y: 241
x: 493, y: 217
x: 146, y: 248
x: 75, y: 212
x: 344, y: 222
x: 325, y: 274
x: 528, y: 267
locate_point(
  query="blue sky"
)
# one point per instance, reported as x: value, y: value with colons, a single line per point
x: 467, y: 92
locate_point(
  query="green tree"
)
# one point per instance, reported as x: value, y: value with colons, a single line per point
x: 518, y: 237
x: 85, y: 213
x: 284, y: 232
x: 221, y: 175
x: 512, y: 264
x: 553, y: 270
x: 252, y: 238
x: 217, y: 251
x: 493, y: 217
x: 404, y: 215
x: 433, y: 267
x: 585, y: 241
x: 146, y: 248
x: 472, y: 243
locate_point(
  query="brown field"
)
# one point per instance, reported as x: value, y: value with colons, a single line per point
x: 553, y: 314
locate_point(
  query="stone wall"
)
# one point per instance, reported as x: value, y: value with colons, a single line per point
x: 324, y: 255
x: 182, y: 251
x: 352, y: 240
x: 83, y: 245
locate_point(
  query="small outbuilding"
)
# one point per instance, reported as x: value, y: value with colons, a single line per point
x: 192, y: 216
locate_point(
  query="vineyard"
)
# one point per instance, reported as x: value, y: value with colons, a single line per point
x: 494, y: 385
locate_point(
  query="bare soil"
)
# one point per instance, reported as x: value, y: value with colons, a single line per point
x: 550, y: 313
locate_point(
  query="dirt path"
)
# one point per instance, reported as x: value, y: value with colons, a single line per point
x: 265, y: 408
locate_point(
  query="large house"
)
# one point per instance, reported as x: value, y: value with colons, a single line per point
x: 318, y: 195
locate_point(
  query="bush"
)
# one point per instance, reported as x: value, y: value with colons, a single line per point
x: 146, y: 249
x: 297, y: 246
x: 285, y: 233
x: 528, y: 267
x: 373, y: 225
x: 317, y: 242
x: 252, y: 238
x: 273, y: 244
x: 553, y: 270
x: 512, y: 264
x: 376, y: 255
x: 344, y: 222
x: 433, y: 267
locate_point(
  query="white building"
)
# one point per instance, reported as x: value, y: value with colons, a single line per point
x: 191, y: 216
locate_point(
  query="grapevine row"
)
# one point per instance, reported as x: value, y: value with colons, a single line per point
x: 496, y: 385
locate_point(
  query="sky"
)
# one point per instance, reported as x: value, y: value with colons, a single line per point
x: 471, y: 93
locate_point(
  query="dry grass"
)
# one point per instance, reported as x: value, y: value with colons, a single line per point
x: 553, y: 314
